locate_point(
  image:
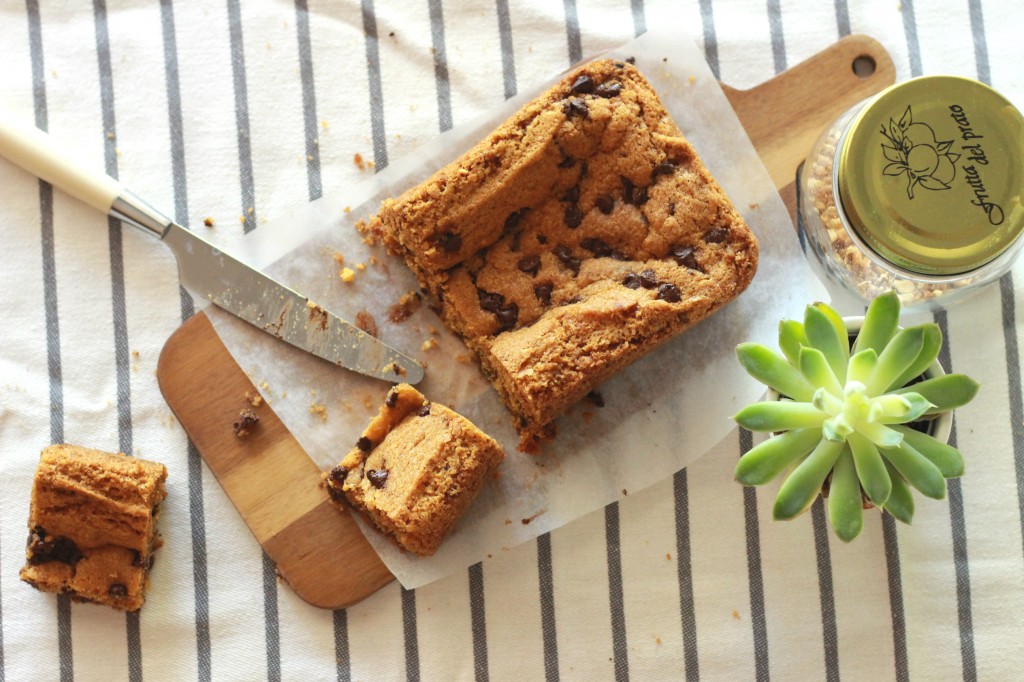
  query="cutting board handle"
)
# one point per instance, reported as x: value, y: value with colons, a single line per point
x: 805, y: 99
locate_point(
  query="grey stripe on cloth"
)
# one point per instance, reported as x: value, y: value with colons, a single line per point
x: 842, y: 18
x: 707, y: 20
x: 980, y: 43
x: 545, y: 578
x: 242, y: 116
x: 65, y: 655
x: 639, y: 17
x: 273, y: 630
x: 197, y: 514
x: 444, y: 95
x: 120, y: 314
x: 684, y: 570
x: 899, y: 623
x: 827, y: 599
x: 479, y: 622
x: 910, y: 33
x: 613, y: 549
x: 572, y: 31
x: 1014, y: 386
x: 316, y: 189
x: 755, y: 577
x: 778, y: 37
x: 412, y: 647
x: 380, y: 146
x: 958, y: 528
x: 341, y: 655
x: 508, y: 58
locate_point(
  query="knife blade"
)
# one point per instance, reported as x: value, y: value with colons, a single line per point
x: 208, y: 271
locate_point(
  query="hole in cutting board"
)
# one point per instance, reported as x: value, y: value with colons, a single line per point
x: 864, y: 66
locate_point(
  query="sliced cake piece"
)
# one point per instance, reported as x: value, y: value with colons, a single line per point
x: 93, y: 525
x: 415, y: 469
x: 574, y: 239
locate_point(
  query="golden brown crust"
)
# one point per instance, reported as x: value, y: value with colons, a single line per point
x: 574, y: 239
x: 93, y: 525
x: 415, y: 469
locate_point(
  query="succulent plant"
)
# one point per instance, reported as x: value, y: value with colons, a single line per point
x: 843, y: 419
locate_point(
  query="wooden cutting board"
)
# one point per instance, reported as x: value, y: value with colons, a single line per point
x: 319, y: 551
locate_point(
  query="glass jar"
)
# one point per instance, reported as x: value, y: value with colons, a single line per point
x: 917, y: 189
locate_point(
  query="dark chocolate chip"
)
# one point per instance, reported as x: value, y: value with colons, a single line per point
x: 671, y: 208
x: 669, y: 292
x: 563, y: 254
x: 118, y: 591
x: 618, y: 255
x: 364, y: 444
x: 377, y: 477
x: 605, y: 203
x: 490, y: 302
x: 572, y: 194
x: 573, y: 216
x: 247, y: 419
x: 584, y: 85
x: 42, y: 549
x: 684, y: 256
x: 424, y: 411
x: 584, y: 168
x: 567, y: 162
x: 530, y: 265
x: 513, y: 219
x: 595, y: 399
x: 717, y: 235
x: 450, y: 242
x: 576, y: 107
x: 136, y: 558
x: 639, y: 196
x: 596, y: 246
x: 631, y: 281
x: 619, y: 65
x: 508, y: 316
x: 542, y: 239
x: 336, y: 493
x: 631, y: 60
x: 543, y: 293
x: 392, y: 398
x: 338, y: 475
x: 608, y: 90
x: 665, y: 168
x: 648, y: 279
x: 627, y: 189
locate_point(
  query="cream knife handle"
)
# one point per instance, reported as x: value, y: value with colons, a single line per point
x: 37, y: 153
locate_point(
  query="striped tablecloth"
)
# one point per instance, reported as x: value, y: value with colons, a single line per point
x: 237, y: 113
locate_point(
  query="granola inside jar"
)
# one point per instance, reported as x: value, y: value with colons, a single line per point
x: 918, y: 189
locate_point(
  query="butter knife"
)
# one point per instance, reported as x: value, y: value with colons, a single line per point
x: 209, y: 272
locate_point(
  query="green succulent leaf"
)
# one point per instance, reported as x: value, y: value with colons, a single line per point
x: 880, y: 434
x: 931, y: 342
x: 871, y: 471
x: 781, y: 415
x: 823, y: 334
x: 791, y: 339
x: 765, y: 461
x: 818, y: 372
x: 803, y: 485
x: 837, y: 428
x: 945, y: 392
x: 899, y: 409
x: 880, y: 323
x: 945, y: 457
x: 901, y: 502
x: 861, y: 365
x: 772, y: 370
x: 845, y: 509
x: 901, y: 352
x: 917, y: 469
x: 840, y: 325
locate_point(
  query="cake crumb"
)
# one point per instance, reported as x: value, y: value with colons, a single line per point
x: 346, y: 210
x: 347, y: 275
x: 429, y: 344
x: 247, y: 420
x: 527, y: 520
x: 323, y: 124
x: 736, y: 614
x: 358, y: 161
x: 361, y: 267
x: 463, y: 358
x: 657, y: 640
x: 254, y: 400
x: 406, y: 306
x: 208, y: 221
x: 135, y: 354
x: 365, y: 321
x: 339, y: 258
x: 396, y: 368
x: 693, y: 79
x: 319, y: 409
x: 318, y: 315
x: 668, y: 556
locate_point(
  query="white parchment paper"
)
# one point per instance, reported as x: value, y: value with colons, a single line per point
x: 661, y: 413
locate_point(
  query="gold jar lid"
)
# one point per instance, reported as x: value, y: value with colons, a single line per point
x: 931, y: 173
